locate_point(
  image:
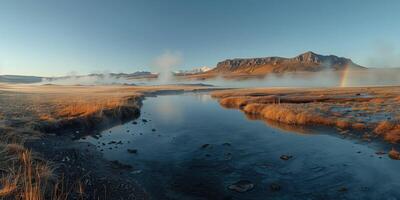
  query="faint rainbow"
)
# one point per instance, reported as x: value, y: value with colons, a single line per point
x: 344, y: 76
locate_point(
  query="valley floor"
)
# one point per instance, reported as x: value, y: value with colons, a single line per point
x: 38, y: 125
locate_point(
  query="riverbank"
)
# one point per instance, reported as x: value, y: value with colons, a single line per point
x: 42, y: 121
x: 370, y: 111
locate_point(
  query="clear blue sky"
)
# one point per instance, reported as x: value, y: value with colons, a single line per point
x: 56, y: 37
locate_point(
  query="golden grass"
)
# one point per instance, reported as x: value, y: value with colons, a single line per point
x: 394, y: 154
x: 23, y: 176
x: 84, y: 108
x: 345, y: 108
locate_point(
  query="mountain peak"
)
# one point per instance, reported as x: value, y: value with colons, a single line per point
x: 308, y: 61
x: 309, y: 56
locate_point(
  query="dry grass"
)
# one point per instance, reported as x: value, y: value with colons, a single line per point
x: 23, y: 175
x: 374, y: 109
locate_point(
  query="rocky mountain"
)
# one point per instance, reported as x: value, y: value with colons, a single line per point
x: 306, y: 62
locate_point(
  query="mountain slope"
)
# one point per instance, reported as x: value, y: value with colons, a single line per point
x: 306, y: 62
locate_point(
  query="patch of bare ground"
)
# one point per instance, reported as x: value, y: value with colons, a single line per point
x: 28, y: 112
x: 371, y: 111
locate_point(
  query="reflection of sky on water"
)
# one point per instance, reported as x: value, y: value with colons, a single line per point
x: 173, y: 165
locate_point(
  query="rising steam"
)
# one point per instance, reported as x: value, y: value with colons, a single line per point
x: 165, y: 64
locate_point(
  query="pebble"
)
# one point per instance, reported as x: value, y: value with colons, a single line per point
x: 286, y: 157
x: 241, y: 186
x: 133, y: 151
x: 275, y: 187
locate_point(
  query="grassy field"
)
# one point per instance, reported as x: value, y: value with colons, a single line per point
x: 29, y: 112
x: 371, y: 111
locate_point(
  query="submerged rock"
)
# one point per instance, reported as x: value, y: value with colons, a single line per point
x: 286, y: 157
x: 380, y: 153
x: 205, y: 146
x: 343, y: 189
x: 112, y: 142
x: 133, y: 151
x: 241, y: 186
x: 118, y: 165
x: 226, y: 144
x: 275, y: 187
x: 394, y: 154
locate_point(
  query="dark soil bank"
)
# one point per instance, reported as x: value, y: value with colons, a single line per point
x: 83, y: 168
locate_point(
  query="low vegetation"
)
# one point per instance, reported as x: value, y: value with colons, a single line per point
x: 28, y: 112
x: 372, y: 111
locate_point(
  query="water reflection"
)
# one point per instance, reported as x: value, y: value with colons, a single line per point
x: 282, y: 126
x: 209, y: 148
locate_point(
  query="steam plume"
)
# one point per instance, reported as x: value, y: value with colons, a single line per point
x: 165, y: 63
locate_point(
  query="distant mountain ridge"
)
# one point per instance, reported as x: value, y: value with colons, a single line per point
x: 19, y: 79
x: 127, y: 76
x: 38, y: 79
x: 308, y: 62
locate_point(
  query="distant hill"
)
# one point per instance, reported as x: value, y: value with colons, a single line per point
x: 37, y: 79
x: 19, y: 79
x: 122, y: 76
x: 259, y: 67
x: 308, y: 62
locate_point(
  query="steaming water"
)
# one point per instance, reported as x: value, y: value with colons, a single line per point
x: 171, y: 163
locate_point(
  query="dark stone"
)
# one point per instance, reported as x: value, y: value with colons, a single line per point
x: 241, y: 186
x: 133, y: 151
x: 343, y: 189
x: 286, y: 157
x: 275, y: 187
x: 226, y: 144
x: 118, y: 165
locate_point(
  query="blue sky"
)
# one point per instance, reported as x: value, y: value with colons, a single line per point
x: 54, y: 37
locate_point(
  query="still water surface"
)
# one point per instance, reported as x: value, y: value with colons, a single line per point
x: 174, y: 162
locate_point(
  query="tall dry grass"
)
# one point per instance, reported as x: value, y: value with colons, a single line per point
x: 25, y: 176
x: 359, y: 109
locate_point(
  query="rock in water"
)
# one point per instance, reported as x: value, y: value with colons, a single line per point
x: 133, y: 151
x: 275, y: 187
x: 394, y: 154
x: 241, y: 186
x: 286, y: 157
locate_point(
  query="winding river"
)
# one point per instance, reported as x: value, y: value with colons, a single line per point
x: 189, y: 147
